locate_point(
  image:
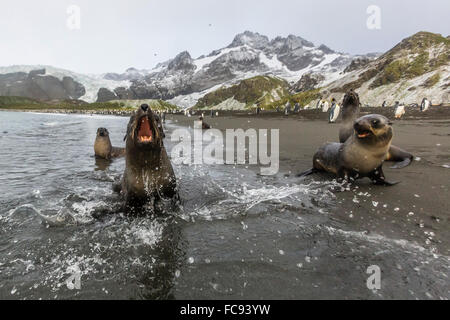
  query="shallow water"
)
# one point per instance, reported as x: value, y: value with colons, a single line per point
x: 237, y: 235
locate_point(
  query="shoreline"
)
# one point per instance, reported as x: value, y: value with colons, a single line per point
x: 412, y: 113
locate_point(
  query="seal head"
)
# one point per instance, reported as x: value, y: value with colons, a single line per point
x: 373, y: 129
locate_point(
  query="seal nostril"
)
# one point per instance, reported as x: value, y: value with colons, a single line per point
x: 144, y: 107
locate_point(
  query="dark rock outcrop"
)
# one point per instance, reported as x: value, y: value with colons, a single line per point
x: 357, y: 64
x: 307, y: 82
x: 105, y: 94
x: 182, y: 62
x: 37, y: 85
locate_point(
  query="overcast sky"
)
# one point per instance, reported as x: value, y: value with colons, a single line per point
x: 117, y: 34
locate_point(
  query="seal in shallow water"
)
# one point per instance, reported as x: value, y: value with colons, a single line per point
x: 103, y: 147
x: 361, y: 155
x: 350, y: 111
x: 148, y: 172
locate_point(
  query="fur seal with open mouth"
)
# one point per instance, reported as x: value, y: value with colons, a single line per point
x: 350, y: 111
x: 148, y: 172
x: 361, y: 155
x: 103, y: 147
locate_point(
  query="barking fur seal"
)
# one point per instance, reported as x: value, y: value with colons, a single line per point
x: 148, y: 172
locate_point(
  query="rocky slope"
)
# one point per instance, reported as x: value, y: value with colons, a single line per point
x: 91, y: 83
x: 417, y: 67
x: 257, y: 91
x: 37, y: 85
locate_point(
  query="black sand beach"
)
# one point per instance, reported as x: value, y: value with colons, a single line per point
x: 238, y: 235
x: 411, y: 210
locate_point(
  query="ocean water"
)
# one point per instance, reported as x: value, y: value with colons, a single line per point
x: 236, y: 235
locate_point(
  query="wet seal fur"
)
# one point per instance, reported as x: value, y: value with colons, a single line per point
x: 148, y: 175
x: 103, y: 147
x: 361, y: 155
x: 350, y: 111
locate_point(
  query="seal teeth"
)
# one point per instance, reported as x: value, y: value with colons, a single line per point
x: 145, y: 139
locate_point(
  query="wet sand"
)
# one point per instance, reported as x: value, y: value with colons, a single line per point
x: 417, y: 209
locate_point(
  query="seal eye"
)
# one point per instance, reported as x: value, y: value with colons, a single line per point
x: 375, y: 122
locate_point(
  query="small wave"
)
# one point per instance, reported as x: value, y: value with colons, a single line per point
x: 62, y: 218
x: 379, y: 239
x: 51, y: 124
x: 240, y: 202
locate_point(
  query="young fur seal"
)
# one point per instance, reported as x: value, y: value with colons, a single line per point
x: 361, y: 155
x: 103, y: 148
x: 350, y: 111
x: 148, y: 172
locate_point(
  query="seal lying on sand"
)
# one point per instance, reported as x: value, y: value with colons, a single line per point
x: 204, y: 124
x: 350, y: 111
x: 148, y: 172
x: 103, y: 147
x: 361, y: 155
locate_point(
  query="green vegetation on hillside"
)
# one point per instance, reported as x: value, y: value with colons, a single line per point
x: 302, y: 98
x: 260, y: 90
x: 431, y: 81
x: 20, y: 103
x: 397, y: 64
x: 154, y: 104
x: 17, y: 101
x: 418, y: 42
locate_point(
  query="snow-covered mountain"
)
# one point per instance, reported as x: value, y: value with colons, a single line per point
x: 183, y: 79
x: 13, y: 78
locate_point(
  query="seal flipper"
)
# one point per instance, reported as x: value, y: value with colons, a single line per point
x: 307, y: 172
x: 402, y: 164
x: 377, y: 177
x: 117, y: 186
x: 402, y: 157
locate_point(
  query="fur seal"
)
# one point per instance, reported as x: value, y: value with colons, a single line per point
x: 148, y: 172
x: 103, y: 147
x: 350, y: 111
x: 205, y: 126
x: 361, y: 155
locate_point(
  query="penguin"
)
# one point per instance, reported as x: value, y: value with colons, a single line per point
x: 424, y: 105
x: 399, y: 110
x: 325, y: 106
x: 287, y: 109
x: 334, y: 111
